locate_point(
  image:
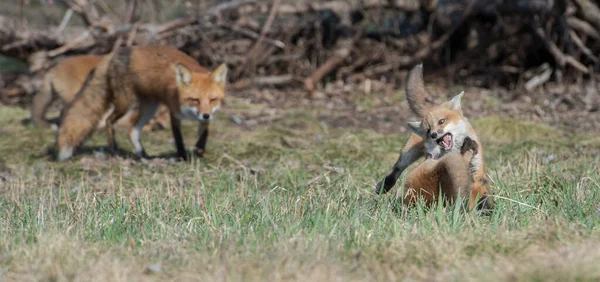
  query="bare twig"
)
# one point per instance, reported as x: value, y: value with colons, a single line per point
x: 216, y: 11
x: 70, y: 45
x: 250, y: 59
x: 274, y: 80
x: 540, y: 78
x: 132, y: 34
x: 252, y: 35
x: 163, y: 30
x: 80, y: 10
x: 582, y: 46
x: 583, y: 27
x: 561, y: 58
x: 589, y: 11
x: 65, y: 20
x: 267, y: 25
x: 131, y: 11
x: 332, y: 63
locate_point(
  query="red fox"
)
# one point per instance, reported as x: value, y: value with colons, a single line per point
x: 450, y: 174
x: 148, y: 76
x: 63, y: 81
x: 442, y: 130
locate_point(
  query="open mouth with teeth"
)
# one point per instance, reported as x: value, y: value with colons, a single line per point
x: 446, y: 141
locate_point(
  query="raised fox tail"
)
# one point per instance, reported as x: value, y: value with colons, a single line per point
x: 419, y: 100
x: 83, y: 115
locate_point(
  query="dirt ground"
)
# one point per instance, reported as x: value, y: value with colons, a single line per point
x: 573, y: 109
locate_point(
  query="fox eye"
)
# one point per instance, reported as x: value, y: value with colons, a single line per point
x: 441, y: 121
x: 213, y: 100
x: 193, y: 101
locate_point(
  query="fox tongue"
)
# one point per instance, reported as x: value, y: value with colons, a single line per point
x: 447, y: 141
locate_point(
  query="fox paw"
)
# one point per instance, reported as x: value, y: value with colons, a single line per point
x: 142, y: 154
x: 384, y: 186
x: 199, y: 152
x: 469, y: 145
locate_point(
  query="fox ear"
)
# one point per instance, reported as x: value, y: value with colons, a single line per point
x: 454, y: 104
x: 183, y: 75
x: 415, y: 127
x: 219, y: 75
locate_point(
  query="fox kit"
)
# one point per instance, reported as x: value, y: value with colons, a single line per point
x: 450, y: 174
x: 63, y: 81
x: 152, y: 75
x: 442, y: 130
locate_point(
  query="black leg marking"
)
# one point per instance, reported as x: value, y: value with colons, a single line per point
x: 388, y: 183
x: 203, y: 137
x: 176, y: 129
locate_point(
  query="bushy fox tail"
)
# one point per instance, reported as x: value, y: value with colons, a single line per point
x: 83, y: 115
x: 41, y: 102
x: 419, y: 100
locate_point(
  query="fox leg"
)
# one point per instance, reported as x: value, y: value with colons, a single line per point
x: 202, y: 138
x: 105, y: 117
x: 41, y: 102
x: 413, y: 149
x: 421, y: 182
x: 142, y: 116
x: 480, y: 196
x: 457, y: 177
x: 176, y: 129
x: 114, y: 113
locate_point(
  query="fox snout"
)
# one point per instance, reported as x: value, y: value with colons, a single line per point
x: 204, y: 116
x: 435, y: 134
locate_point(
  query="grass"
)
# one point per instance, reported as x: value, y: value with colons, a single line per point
x: 264, y: 206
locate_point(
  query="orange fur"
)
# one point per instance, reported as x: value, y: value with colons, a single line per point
x: 449, y: 175
x: 163, y: 75
x: 84, y: 114
x: 437, y: 120
x: 419, y: 100
x: 64, y: 80
x: 149, y: 76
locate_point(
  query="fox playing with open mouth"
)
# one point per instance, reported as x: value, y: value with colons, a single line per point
x: 442, y: 130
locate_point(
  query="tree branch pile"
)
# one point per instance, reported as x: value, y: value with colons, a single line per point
x: 304, y: 45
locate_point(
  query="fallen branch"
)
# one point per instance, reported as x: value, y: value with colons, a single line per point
x: 250, y: 59
x: 132, y: 34
x: 131, y: 11
x: 77, y: 42
x: 561, y: 58
x: 589, y: 11
x: 540, y: 78
x: 583, y: 27
x: 65, y: 20
x: 252, y: 35
x: 582, y: 46
x: 332, y: 63
x: 275, y: 80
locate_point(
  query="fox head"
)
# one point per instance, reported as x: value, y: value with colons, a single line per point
x: 200, y: 94
x: 443, y: 128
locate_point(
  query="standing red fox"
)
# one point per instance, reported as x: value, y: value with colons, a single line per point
x: 150, y: 75
x: 63, y: 81
x: 442, y: 130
